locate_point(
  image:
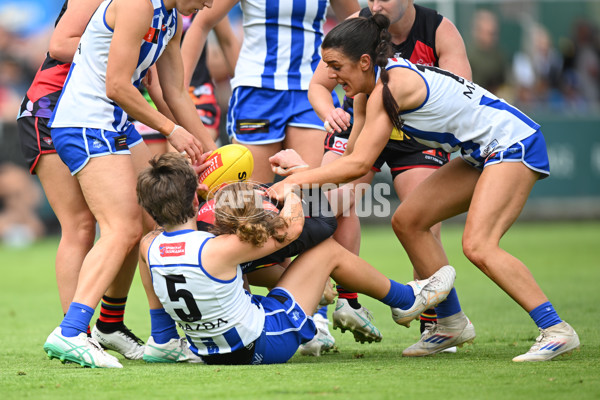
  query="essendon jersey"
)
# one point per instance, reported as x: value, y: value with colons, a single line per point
x: 419, y: 46
x: 40, y: 99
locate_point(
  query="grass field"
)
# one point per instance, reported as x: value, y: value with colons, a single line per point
x: 564, y: 258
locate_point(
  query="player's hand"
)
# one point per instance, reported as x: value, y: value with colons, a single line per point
x: 201, y: 164
x: 278, y: 191
x: 286, y: 162
x: 186, y: 143
x: 338, y: 120
x: 329, y: 294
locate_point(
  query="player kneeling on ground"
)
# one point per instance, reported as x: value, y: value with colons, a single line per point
x: 197, y: 276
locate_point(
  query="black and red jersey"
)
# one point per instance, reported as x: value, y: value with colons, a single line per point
x: 419, y: 46
x: 41, y: 98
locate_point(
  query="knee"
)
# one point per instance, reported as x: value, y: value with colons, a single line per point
x: 404, y: 224
x: 476, y: 250
x: 80, y: 228
x: 127, y: 233
x: 132, y: 234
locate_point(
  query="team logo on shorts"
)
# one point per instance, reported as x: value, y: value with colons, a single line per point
x: 172, y: 249
x: 249, y: 126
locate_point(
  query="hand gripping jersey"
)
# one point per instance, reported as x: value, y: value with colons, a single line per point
x: 458, y: 114
x: 83, y: 102
x: 281, y: 46
x: 218, y: 316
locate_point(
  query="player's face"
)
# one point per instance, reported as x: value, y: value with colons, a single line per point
x: 188, y: 7
x: 354, y: 77
x: 393, y: 9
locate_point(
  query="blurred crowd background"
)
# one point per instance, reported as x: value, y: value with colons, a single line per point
x: 541, y: 55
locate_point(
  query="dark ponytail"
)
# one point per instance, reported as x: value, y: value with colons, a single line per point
x: 357, y: 36
x: 384, y: 51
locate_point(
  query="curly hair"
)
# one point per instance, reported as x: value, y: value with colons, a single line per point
x: 239, y: 211
x: 166, y: 189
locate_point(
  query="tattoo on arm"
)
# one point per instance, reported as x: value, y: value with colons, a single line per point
x: 292, y: 210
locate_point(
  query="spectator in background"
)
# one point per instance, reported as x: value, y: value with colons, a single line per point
x: 587, y: 60
x: 20, y: 198
x: 488, y: 62
x: 537, y: 70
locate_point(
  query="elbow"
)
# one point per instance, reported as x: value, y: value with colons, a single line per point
x: 294, y: 231
x: 59, y: 53
x: 357, y: 168
x: 114, y: 90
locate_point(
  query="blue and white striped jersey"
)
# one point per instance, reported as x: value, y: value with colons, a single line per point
x: 217, y: 316
x: 458, y: 114
x: 83, y: 102
x: 282, y: 43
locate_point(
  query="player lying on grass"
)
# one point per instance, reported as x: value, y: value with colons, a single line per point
x: 197, y: 276
x: 165, y: 345
x: 319, y: 224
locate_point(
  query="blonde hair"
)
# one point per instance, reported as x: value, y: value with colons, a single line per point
x: 239, y: 211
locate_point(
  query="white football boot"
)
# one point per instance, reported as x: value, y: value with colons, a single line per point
x: 174, y: 351
x: 322, y: 342
x: 79, y: 349
x: 357, y: 321
x: 122, y: 341
x: 553, y: 341
x: 452, y: 331
x: 428, y: 293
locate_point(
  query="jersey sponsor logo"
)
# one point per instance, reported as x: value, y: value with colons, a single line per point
x: 249, y: 126
x: 206, y: 325
x: 172, y: 249
x: 152, y: 35
x: 215, y: 163
x: 206, y: 213
x: 340, y: 144
x: 422, y: 54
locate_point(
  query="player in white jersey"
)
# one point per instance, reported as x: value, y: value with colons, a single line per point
x: 198, y: 279
x: 269, y: 108
x: 93, y: 138
x: 503, y: 155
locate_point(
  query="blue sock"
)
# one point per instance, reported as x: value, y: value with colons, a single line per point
x: 322, y: 311
x: 162, y: 326
x: 545, y: 316
x: 448, y: 307
x: 76, y: 320
x: 399, y: 296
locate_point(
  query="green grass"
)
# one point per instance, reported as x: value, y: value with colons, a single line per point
x: 564, y: 258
